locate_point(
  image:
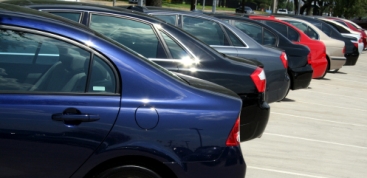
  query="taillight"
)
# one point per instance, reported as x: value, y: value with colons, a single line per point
x: 309, y: 58
x: 234, y: 136
x: 259, y: 78
x: 343, y: 50
x: 360, y: 40
x: 284, y: 59
x: 356, y: 45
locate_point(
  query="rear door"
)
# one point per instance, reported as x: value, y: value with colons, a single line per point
x: 58, y: 101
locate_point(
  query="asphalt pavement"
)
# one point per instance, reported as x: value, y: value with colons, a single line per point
x: 319, y: 132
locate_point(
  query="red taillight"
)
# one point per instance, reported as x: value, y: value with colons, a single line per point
x: 259, y: 78
x: 356, y: 45
x: 343, y: 50
x: 234, y: 136
x: 284, y: 59
x: 309, y: 58
x: 360, y: 40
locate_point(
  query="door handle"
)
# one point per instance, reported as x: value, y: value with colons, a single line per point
x: 75, y: 117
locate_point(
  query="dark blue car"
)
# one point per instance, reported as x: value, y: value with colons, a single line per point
x: 76, y: 104
x: 176, y: 51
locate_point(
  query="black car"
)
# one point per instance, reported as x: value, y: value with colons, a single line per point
x: 232, y: 41
x: 175, y: 50
x: 351, y: 51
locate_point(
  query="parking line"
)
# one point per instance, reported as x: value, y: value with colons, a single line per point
x: 344, y: 86
x: 357, y: 109
x: 319, y: 141
x: 333, y: 94
x: 322, y: 120
x: 284, y: 172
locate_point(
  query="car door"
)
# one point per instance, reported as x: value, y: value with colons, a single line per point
x: 209, y: 32
x: 56, y: 103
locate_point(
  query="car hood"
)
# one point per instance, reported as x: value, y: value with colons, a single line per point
x: 206, y: 85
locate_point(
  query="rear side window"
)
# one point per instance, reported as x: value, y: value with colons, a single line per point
x: 234, y: 39
x: 171, y: 19
x: 208, y: 31
x: 254, y: 31
x: 281, y: 28
x: 135, y: 35
x: 175, y: 49
x: 293, y: 35
x: 102, y: 78
x: 306, y: 29
x: 34, y: 63
x: 74, y: 16
x: 269, y: 38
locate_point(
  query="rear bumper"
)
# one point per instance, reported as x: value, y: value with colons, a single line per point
x: 351, y: 59
x: 337, y: 62
x: 254, y: 119
x: 300, y: 77
x: 319, y: 68
x: 229, y: 164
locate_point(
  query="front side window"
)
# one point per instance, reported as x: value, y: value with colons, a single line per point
x: 252, y: 30
x: 34, y: 63
x: 208, y: 31
x: 74, y: 16
x: 135, y: 35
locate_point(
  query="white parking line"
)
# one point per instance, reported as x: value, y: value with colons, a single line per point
x: 319, y: 141
x: 349, y: 80
x: 359, y: 88
x: 322, y: 120
x: 334, y: 94
x: 357, y: 109
x: 284, y: 172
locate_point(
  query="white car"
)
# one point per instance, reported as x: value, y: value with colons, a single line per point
x: 282, y: 11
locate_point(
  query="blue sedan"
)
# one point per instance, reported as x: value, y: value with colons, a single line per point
x: 76, y: 104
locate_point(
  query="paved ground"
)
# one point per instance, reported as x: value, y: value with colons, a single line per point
x: 319, y: 132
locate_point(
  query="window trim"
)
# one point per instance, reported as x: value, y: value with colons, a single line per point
x: 176, y: 41
x: 83, y: 46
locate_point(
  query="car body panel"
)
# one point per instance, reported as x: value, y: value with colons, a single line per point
x: 201, y: 114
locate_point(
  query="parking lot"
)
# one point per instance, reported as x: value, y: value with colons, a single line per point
x: 320, y: 132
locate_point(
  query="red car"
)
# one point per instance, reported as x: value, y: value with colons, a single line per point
x: 351, y: 26
x: 317, y: 56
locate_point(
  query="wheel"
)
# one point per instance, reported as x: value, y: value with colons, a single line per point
x: 127, y: 171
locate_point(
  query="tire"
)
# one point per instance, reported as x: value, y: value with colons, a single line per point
x: 127, y: 171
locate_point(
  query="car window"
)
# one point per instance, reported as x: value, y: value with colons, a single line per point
x: 269, y: 38
x: 234, y: 39
x: 74, y: 16
x: 135, y: 35
x: 293, y: 35
x: 35, y: 63
x: 171, y: 19
x: 305, y: 28
x: 252, y: 30
x: 340, y: 29
x: 342, y: 23
x: 281, y: 28
x: 175, y: 49
x: 102, y: 78
x: 207, y: 31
